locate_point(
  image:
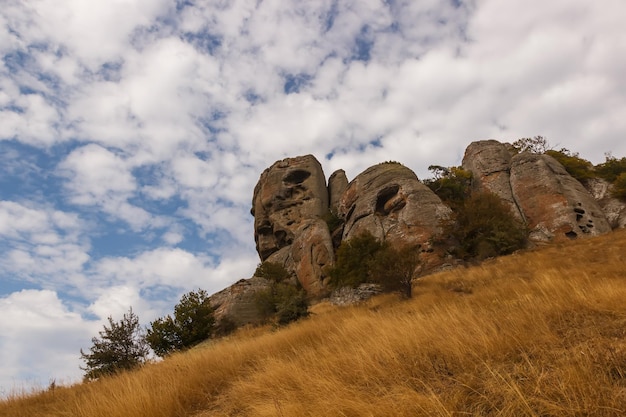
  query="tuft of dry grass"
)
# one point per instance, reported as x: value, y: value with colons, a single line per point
x: 541, y: 333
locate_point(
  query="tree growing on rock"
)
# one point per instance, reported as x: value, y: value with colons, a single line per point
x: 120, y: 347
x: 537, y: 144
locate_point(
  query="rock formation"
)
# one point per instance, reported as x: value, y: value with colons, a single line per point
x: 238, y: 302
x: 538, y: 189
x: 614, y: 209
x: 489, y: 161
x: 289, y: 201
x: 552, y: 202
x: 293, y: 209
x: 388, y: 201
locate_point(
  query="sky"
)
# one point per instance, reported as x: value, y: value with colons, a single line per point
x: 133, y: 132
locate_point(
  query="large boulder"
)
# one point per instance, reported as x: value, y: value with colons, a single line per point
x: 553, y: 203
x: 388, y: 201
x: 238, y: 302
x: 489, y: 161
x: 289, y: 201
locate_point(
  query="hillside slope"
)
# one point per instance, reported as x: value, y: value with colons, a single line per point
x: 541, y: 333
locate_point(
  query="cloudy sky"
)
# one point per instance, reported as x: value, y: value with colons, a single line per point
x: 132, y: 132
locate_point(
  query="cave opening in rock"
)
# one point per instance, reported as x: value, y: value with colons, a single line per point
x: 296, y: 177
x: 384, y: 196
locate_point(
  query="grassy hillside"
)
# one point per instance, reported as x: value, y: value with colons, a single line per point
x: 536, y: 334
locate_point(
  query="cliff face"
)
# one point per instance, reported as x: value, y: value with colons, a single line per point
x: 539, y: 191
x: 292, y: 202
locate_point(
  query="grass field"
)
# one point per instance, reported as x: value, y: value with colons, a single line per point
x: 542, y: 333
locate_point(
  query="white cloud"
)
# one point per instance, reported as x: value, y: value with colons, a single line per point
x: 40, y: 341
x: 42, y: 243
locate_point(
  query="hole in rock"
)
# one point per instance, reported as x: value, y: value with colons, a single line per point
x: 571, y: 234
x: 296, y: 177
x: 384, y: 196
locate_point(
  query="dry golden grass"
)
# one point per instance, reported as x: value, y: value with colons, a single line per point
x: 536, y: 334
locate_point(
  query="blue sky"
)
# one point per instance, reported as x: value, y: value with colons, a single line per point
x: 132, y: 132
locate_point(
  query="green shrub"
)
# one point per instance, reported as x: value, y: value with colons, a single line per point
x: 538, y: 145
x: 353, y: 261
x: 120, y: 347
x: 452, y: 185
x: 193, y: 322
x: 394, y: 268
x: 282, y: 302
x: 272, y: 271
x: 611, y: 168
x: 364, y: 259
x: 577, y: 167
x: 619, y: 187
x: 484, y: 227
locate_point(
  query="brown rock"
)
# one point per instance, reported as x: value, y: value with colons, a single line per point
x: 552, y: 202
x: 238, y: 302
x: 388, y: 201
x: 490, y: 164
x: 613, y: 208
x: 337, y: 185
x: 289, y: 201
x: 311, y: 251
x: 288, y: 193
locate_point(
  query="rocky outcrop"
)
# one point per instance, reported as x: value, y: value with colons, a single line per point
x: 490, y: 164
x: 293, y: 211
x: 540, y: 192
x: 289, y: 201
x: 337, y: 185
x: 614, y: 209
x: 552, y: 202
x: 388, y: 201
x: 238, y: 302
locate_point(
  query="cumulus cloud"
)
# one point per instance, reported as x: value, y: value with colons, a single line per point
x: 41, y: 339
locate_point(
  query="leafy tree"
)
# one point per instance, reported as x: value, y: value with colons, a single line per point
x: 452, y: 185
x: 611, y: 168
x: 353, y: 261
x: 193, y: 322
x: 619, y: 187
x: 484, y: 227
x: 538, y: 145
x: 365, y: 259
x: 120, y: 347
x: 282, y: 301
x: 394, y: 269
x: 273, y: 271
x: 577, y: 167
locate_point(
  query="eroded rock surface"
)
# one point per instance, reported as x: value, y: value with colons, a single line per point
x: 337, y: 185
x: 614, y: 209
x: 238, y: 302
x: 553, y: 203
x: 289, y: 201
x: 388, y: 201
x: 540, y: 192
x: 490, y: 164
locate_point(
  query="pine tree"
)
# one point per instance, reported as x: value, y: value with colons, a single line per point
x: 121, y: 346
